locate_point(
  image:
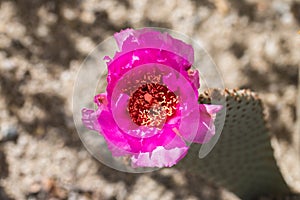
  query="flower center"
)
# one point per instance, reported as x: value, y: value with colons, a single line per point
x: 152, y: 104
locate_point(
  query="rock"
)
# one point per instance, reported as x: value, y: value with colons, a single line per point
x: 9, y: 133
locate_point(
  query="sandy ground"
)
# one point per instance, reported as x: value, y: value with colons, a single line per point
x: 42, y: 44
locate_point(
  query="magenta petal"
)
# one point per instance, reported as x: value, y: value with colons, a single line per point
x: 191, y: 76
x: 162, y: 156
x: 171, y: 81
x: 144, y: 46
x: 188, y: 130
x: 120, y: 113
x: 163, y: 137
x: 123, y: 64
x: 206, y: 128
x: 122, y: 143
x: 122, y: 36
x: 89, y: 119
x: 129, y: 40
x: 116, y: 141
x: 205, y: 124
x: 212, y: 109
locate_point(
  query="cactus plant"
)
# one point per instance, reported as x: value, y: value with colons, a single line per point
x: 243, y: 159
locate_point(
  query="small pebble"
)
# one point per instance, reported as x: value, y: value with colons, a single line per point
x: 9, y: 133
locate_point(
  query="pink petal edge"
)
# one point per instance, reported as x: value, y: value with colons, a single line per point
x: 159, y: 157
x: 206, y: 128
x: 130, y: 39
x: 89, y: 119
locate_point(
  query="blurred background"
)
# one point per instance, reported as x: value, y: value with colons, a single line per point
x: 255, y: 44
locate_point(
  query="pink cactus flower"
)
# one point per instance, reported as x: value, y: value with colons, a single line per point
x: 150, y: 110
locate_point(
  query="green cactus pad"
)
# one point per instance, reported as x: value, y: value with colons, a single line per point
x: 243, y: 159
